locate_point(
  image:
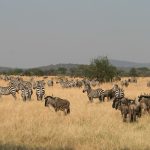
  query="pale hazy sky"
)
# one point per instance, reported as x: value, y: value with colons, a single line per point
x: 42, y: 32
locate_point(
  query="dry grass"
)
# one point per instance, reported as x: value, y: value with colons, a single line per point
x: 93, y: 126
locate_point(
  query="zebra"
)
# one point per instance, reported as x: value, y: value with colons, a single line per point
x: 79, y: 83
x: 26, y: 93
x: 27, y: 84
x: 40, y: 89
x: 118, y: 95
x: 37, y: 83
x: 124, y: 83
x: 8, y: 90
x: 19, y: 84
x: 93, y: 93
x: 67, y: 84
x: 50, y: 83
x: 15, y: 83
x: 86, y: 81
x: 58, y: 104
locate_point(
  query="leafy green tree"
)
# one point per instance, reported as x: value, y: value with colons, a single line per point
x: 16, y: 71
x: 61, y: 70
x: 101, y: 69
x: 133, y: 72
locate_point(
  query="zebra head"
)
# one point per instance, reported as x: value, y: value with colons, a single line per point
x: 115, y: 87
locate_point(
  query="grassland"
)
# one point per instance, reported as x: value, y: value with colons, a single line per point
x: 90, y: 126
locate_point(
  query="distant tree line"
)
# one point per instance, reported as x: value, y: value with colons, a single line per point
x: 99, y: 68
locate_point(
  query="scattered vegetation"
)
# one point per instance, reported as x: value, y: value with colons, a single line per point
x: 99, y: 68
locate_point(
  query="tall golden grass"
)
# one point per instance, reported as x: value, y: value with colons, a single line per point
x: 90, y: 126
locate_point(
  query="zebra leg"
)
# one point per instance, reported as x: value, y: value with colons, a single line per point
x: 100, y: 99
x: 37, y: 97
x: 91, y: 99
x: 14, y: 95
x: 56, y: 109
x: 23, y: 98
x: 103, y: 98
x: 65, y: 113
x: 41, y: 97
x: 113, y: 104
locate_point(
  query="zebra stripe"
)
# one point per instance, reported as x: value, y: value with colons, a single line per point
x: 26, y: 94
x: 8, y: 90
x: 94, y: 93
x: 119, y: 93
x: 40, y: 92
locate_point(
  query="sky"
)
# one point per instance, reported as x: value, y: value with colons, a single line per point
x: 43, y: 32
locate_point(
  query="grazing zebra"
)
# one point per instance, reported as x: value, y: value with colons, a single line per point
x: 40, y: 89
x: 58, y: 104
x: 26, y: 94
x: 67, y: 84
x: 8, y: 90
x: 93, y: 93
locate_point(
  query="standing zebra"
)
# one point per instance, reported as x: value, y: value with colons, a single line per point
x: 8, y: 90
x: 118, y: 95
x: 40, y: 89
x: 50, y: 83
x: 20, y: 84
x: 93, y: 93
x: 124, y: 83
x: 26, y: 94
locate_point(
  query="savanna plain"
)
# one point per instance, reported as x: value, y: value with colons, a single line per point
x: 89, y: 126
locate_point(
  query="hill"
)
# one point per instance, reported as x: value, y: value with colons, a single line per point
x: 126, y: 65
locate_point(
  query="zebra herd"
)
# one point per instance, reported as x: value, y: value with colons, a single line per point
x: 128, y: 107
x: 17, y: 84
x: 115, y: 93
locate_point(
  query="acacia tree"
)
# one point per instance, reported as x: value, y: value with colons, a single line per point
x: 102, y: 69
